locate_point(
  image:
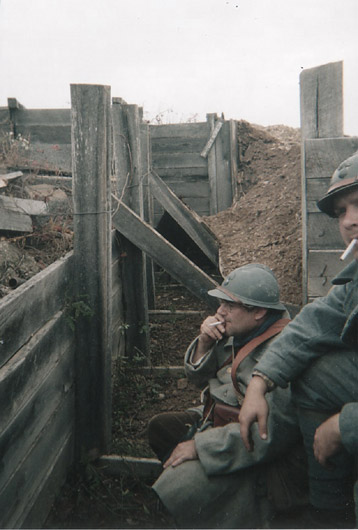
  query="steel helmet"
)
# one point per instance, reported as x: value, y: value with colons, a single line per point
x: 252, y: 284
x: 345, y: 178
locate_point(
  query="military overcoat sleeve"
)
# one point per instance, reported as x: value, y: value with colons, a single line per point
x: 348, y: 425
x: 315, y: 331
x: 220, y: 449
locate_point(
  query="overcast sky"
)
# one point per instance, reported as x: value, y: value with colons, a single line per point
x: 179, y: 58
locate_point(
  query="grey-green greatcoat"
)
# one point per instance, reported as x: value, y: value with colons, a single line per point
x: 226, y: 486
x: 318, y: 353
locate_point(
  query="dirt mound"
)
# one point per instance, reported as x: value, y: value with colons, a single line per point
x: 264, y: 223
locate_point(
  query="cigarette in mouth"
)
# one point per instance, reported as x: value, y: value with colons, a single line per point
x: 348, y: 249
x: 214, y: 324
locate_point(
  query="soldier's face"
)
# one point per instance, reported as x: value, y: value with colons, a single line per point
x: 346, y: 210
x: 238, y: 320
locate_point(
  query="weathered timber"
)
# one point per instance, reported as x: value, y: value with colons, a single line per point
x: 50, y: 484
x: 91, y: 125
x: 45, y: 385
x: 162, y: 252
x: 321, y: 97
x: 178, y: 173
x: 129, y: 171
x: 176, y: 145
x: 27, y: 206
x: 26, y: 309
x: 211, y: 140
x: 114, y: 465
x: 24, y: 372
x: 7, y: 177
x: 166, y: 314
x: 322, y: 232
x: 179, y: 160
x: 12, y: 217
x: 212, y: 169
x: 187, y: 219
x: 323, y: 266
x: 223, y: 155
x: 323, y: 149
x: 182, y: 130
x: 14, y: 104
x: 323, y: 156
x: 18, y: 493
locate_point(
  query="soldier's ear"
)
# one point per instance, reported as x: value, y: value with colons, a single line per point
x: 260, y: 312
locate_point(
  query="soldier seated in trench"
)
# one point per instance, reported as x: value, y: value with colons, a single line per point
x: 209, y: 479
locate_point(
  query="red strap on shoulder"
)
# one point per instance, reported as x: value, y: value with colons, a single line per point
x: 273, y: 330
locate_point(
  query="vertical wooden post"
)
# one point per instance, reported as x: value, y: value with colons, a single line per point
x: 92, y: 254
x: 146, y: 152
x: 321, y: 98
x: 211, y: 118
x: 127, y: 137
x: 321, y: 110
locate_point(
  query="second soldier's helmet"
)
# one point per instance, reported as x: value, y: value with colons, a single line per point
x: 253, y: 284
x: 345, y: 178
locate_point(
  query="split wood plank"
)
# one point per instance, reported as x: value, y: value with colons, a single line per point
x: 187, y: 219
x: 4, y: 179
x: 211, y: 140
x: 321, y: 101
x: 115, y: 465
x: 162, y: 252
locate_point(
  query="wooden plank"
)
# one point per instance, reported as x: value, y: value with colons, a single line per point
x: 234, y: 158
x: 50, y: 487
x: 91, y: 126
x: 167, y: 315
x: 5, y: 178
x: 198, y: 205
x: 190, y: 173
x: 14, y: 104
x: 178, y: 160
x: 182, y: 130
x: 26, y: 206
x: 19, y: 494
x: 323, y: 266
x: 185, y: 218
x: 189, y: 188
x: 134, y: 267
x: 12, y: 217
x: 48, y: 157
x: 43, y: 117
x: 212, y: 168
x: 25, y: 310
x: 204, y: 153
x: 34, y: 406
x: 163, y: 253
x: 322, y: 157
x: 47, y: 134
x: 33, y: 362
x: 321, y: 101
x: 315, y: 189
x: 223, y: 170
x: 122, y: 152
x: 177, y: 145
x: 116, y: 466
x: 322, y: 232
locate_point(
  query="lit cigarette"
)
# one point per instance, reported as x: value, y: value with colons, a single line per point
x: 348, y: 249
x: 214, y: 324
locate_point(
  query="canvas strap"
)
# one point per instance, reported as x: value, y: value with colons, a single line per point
x: 270, y: 332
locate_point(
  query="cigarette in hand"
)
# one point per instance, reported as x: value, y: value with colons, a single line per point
x: 214, y: 324
x: 348, y: 250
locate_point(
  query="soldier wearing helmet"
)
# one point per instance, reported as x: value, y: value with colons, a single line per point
x: 209, y: 480
x: 320, y: 357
